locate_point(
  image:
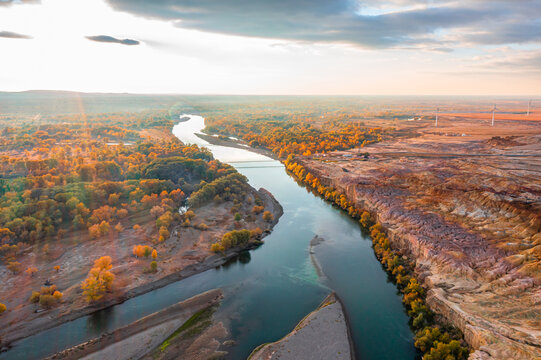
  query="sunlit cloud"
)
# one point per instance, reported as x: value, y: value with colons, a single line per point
x: 297, y: 47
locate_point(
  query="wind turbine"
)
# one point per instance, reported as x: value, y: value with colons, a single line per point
x: 437, y: 113
x: 493, y: 110
x: 529, y: 104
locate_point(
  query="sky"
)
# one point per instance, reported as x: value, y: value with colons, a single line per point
x: 340, y: 47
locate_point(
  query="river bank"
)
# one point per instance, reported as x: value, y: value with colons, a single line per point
x: 144, y: 335
x: 228, y: 142
x: 322, y: 334
x: 185, y: 254
x: 472, y: 243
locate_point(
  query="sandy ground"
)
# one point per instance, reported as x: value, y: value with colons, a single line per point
x: 321, y: 335
x: 185, y: 253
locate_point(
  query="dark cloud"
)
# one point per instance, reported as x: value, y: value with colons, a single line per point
x: 12, y: 35
x: 16, y: 2
x: 110, y: 39
x: 368, y: 23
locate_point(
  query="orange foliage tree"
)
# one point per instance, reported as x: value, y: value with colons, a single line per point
x: 99, y: 280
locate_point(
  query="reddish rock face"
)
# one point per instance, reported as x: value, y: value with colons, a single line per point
x: 469, y: 212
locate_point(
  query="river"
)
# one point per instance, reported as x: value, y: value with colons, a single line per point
x: 270, y: 289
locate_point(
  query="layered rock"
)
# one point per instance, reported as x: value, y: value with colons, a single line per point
x: 471, y: 225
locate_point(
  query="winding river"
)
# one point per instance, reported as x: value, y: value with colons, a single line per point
x: 270, y: 289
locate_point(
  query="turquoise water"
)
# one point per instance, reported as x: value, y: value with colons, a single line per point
x: 268, y: 290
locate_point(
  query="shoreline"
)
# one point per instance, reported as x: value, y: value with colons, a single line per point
x: 484, y: 336
x: 162, y: 317
x: 214, y: 140
x: 210, y: 262
x: 311, y: 329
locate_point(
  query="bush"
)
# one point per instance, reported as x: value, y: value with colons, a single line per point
x: 443, y: 351
x: 235, y: 238
x: 14, y: 266
x: 58, y: 295
x: 47, y: 300
x: 217, y: 247
x: 257, y: 209
x: 34, y: 298
x: 203, y: 227
x: 237, y: 217
x: 267, y: 216
x: 2, y: 308
x: 256, y: 233
x: 153, y: 266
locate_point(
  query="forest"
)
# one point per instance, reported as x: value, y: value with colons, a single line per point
x: 79, y: 179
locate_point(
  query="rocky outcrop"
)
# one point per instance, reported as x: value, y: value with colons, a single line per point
x: 322, y: 334
x: 471, y: 226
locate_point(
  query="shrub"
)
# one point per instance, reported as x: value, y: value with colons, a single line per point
x: 153, y: 266
x: 31, y: 270
x: 58, y: 295
x: 47, y: 300
x: 2, y: 308
x: 217, y: 247
x: 235, y: 238
x: 256, y: 233
x: 34, y: 298
x: 203, y: 227
x: 119, y: 227
x: 14, y: 266
x: 443, y: 351
x: 267, y: 216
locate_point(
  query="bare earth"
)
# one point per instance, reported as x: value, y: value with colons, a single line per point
x: 464, y: 201
x: 185, y: 253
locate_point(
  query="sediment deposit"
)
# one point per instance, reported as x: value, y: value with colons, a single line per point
x: 322, y: 334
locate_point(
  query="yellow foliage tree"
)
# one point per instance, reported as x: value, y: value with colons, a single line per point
x: 31, y: 270
x: 99, y: 279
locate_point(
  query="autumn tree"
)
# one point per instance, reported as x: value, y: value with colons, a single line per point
x: 267, y: 216
x: 31, y: 270
x: 99, y: 280
x: 2, y: 308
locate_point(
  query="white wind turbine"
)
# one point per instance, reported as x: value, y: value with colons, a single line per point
x: 493, y: 111
x: 437, y: 113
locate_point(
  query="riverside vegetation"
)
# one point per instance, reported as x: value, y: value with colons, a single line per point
x: 436, y: 339
x: 109, y: 190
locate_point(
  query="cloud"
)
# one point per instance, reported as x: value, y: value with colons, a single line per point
x: 372, y: 24
x: 18, y: 2
x: 110, y: 39
x: 13, y: 35
x: 530, y: 60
